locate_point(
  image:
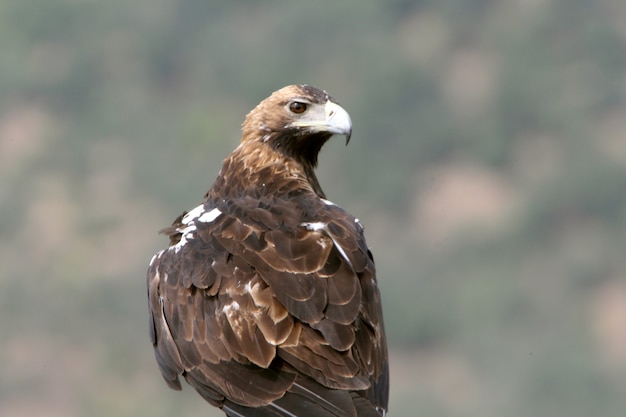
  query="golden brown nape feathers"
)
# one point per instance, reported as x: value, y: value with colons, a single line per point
x: 266, y: 300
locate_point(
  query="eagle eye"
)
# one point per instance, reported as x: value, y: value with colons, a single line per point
x: 298, y: 107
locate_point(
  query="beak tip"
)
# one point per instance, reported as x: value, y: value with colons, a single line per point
x: 338, y: 120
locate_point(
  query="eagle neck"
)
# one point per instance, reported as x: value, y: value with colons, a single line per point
x: 255, y: 169
x: 309, y: 171
x: 301, y: 149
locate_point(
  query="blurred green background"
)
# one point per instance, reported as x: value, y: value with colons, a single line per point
x: 488, y: 165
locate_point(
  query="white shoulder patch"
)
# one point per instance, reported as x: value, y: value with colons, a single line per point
x: 328, y: 202
x: 187, y: 234
x: 210, y: 216
x: 193, y: 214
x: 314, y: 226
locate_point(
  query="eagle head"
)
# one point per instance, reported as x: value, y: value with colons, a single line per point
x: 297, y: 120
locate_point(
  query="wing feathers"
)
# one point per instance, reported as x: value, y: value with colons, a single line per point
x: 243, y: 384
x: 238, y: 296
x: 343, y: 287
x: 340, y: 337
x: 306, y: 398
x: 337, y: 402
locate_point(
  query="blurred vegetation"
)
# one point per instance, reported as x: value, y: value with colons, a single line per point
x: 488, y: 164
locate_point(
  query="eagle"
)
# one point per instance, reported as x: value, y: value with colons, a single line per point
x: 266, y: 300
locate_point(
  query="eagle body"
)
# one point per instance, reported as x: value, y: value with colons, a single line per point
x: 266, y: 300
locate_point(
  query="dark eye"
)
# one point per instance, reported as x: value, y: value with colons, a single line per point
x: 298, y: 107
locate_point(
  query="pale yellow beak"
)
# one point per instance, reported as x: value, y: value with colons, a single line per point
x: 338, y: 120
x: 331, y: 118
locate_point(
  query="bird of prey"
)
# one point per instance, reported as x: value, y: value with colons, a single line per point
x: 266, y: 300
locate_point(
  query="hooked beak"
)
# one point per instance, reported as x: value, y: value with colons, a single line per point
x: 331, y: 118
x: 338, y: 120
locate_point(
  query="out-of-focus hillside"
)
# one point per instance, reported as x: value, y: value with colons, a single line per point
x: 488, y: 164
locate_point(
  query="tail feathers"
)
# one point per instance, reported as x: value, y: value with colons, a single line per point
x: 306, y: 398
x: 365, y: 409
x: 334, y: 402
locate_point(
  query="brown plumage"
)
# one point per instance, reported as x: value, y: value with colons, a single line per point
x: 266, y: 300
